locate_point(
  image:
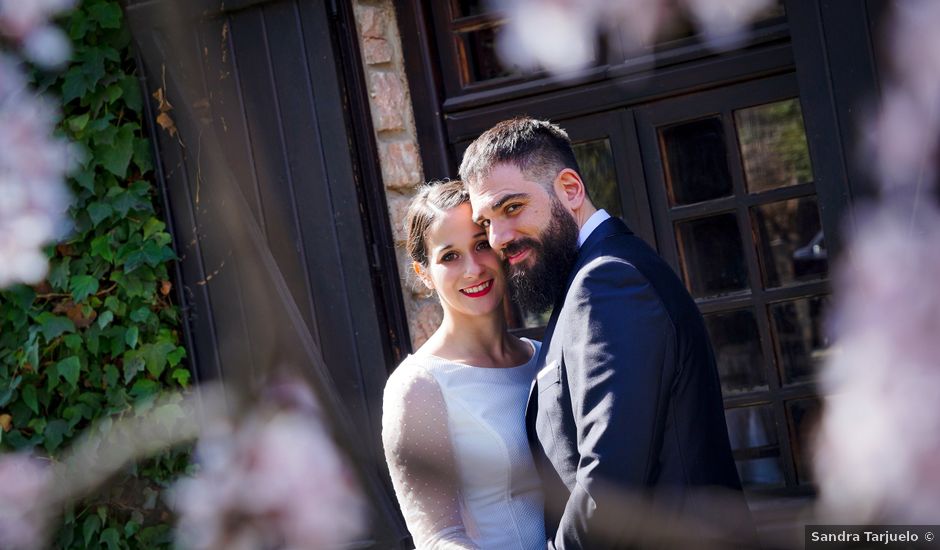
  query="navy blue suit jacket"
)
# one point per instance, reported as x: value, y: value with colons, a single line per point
x: 627, y: 401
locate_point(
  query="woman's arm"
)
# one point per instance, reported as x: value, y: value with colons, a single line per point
x: 421, y: 461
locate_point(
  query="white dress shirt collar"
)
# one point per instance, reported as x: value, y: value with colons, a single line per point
x: 591, y: 224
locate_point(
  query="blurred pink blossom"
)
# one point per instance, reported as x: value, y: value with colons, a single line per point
x: 560, y: 35
x: 272, y: 482
x: 878, y: 446
x: 33, y: 197
x: 878, y: 456
x: 33, y: 163
x: 23, y: 484
x: 28, y: 22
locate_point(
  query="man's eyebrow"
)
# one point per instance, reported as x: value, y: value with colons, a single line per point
x: 506, y: 198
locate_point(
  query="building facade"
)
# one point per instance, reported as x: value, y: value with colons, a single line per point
x: 301, y: 130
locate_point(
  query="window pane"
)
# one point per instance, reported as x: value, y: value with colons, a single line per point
x: 597, y: 170
x: 696, y: 161
x: 751, y: 427
x: 761, y: 472
x: 803, y: 414
x: 711, y: 255
x: 753, y: 435
x: 799, y: 335
x: 791, y: 244
x: 737, y: 349
x: 477, y: 51
x: 773, y: 145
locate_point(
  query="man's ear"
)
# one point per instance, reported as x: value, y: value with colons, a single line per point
x: 423, y: 275
x: 570, y: 189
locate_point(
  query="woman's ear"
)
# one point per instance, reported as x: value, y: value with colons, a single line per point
x: 423, y: 275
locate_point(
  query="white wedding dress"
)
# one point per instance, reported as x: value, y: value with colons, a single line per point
x: 457, y: 451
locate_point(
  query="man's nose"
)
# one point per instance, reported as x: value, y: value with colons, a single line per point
x: 499, y: 236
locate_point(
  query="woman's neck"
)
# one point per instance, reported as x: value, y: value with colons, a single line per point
x: 478, y: 340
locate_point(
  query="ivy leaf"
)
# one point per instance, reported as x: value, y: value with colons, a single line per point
x: 132, y: 95
x: 143, y: 155
x: 8, y: 394
x: 53, y: 326
x: 86, y: 179
x: 112, y: 538
x: 54, y: 434
x: 69, y: 369
x: 99, y: 211
x: 78, y: 25
x: 175, y: 356
x: 133, y: 364
x: 78, y: 123
x: 73, y: 341
x: 144, y: 388
x: 155, y: 356
x: 181, y: 376
x: 59, y: 273
x: 130, y: 337
x: 117, y: 156
x: 82, y: 286
x: 140, y: 315
x: 111, y: 375
x: 101, y: 247
x: 29, y: 397
x: 107, y: 15
x: 106, y: 317
x: 90, y: 527
x: 151, y: 226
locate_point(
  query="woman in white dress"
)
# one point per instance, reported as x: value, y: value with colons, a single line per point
x: 453, y: 422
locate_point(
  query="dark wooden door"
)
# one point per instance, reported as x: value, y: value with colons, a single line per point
x: 263, y: 179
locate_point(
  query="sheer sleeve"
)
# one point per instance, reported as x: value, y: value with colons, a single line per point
x: 421, y: 460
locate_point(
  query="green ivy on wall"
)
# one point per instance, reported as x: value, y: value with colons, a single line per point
x: 101, y: 334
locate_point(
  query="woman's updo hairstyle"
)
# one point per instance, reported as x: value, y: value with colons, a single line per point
x: 433, y: 199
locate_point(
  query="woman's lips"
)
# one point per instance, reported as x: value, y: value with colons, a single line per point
x: 479, y: 290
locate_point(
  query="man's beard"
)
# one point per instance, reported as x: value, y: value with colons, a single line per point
x: 536, y: 288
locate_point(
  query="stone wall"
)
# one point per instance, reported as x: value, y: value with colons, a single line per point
x: 393, y: 122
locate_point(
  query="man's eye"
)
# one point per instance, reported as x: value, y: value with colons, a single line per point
x: 513, y: 208
x: 485, y: 224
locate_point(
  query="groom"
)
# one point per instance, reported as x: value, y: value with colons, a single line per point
x: 627, y: 402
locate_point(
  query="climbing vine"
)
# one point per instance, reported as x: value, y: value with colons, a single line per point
x: 99, y: 338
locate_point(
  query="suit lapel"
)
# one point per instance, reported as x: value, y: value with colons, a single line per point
x: 607, y: 228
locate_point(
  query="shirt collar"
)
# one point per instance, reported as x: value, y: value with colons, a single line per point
x: 591, y: 224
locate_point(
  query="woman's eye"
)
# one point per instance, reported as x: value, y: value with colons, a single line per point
x: 485, y: 223
x: 448, y: 257
x: 483, y: 245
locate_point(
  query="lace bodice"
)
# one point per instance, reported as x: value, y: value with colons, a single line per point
x: 458, y: 454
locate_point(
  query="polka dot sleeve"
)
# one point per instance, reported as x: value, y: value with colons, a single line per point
x: 420, y: 459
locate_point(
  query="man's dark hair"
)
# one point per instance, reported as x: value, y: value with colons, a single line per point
x: 538, y: 148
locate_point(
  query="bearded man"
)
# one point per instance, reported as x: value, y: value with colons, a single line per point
x: 627, y: 405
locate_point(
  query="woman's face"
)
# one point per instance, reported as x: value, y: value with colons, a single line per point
x: 462, y: 268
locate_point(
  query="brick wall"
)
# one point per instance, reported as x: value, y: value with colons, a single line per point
x: 393, y: 122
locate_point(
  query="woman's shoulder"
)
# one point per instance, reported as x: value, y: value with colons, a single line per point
x: 410, y: 378
x: 536, y: 346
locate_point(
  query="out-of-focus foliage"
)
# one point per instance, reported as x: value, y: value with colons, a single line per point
x: 100, y: 334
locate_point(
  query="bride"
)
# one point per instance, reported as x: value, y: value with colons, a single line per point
x: 453, y: 422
